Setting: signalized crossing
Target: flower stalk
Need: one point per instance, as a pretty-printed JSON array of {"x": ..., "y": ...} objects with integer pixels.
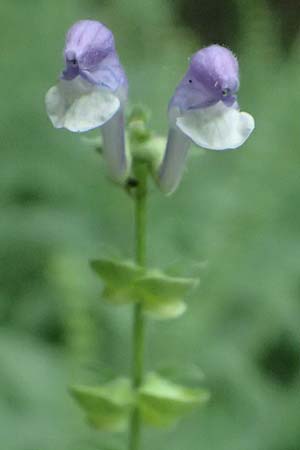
[{"x": 140, "y": 171}]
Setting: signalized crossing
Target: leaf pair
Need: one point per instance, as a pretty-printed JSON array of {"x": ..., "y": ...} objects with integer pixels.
[
  {"x": 162, "y": 296},
  {"x": 161, "y": 402}
]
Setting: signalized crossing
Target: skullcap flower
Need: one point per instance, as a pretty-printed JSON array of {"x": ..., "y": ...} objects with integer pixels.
[
  {"x": 92, "y": 91},
  {"x": 204, "y": 110}
]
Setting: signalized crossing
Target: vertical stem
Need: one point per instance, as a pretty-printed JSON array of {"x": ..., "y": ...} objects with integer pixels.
[
  {"x": 140, "y": 214},
  {"x": 139, "y": 320}
]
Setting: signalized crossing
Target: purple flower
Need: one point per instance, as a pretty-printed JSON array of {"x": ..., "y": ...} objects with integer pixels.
[
  {"x": 204, "y": 110},
  {"x": 92, "y": 91}
]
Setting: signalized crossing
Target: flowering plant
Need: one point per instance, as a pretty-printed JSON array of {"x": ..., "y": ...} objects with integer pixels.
[{"x": 92, "y": 93}]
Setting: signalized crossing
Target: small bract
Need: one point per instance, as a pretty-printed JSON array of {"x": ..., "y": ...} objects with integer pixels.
[
  {"x": 92, "y": 91},
  {"x": 204, "y": 110}
]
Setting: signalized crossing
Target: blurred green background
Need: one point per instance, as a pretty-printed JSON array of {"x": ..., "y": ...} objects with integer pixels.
[{"x": 235, "y": 221}]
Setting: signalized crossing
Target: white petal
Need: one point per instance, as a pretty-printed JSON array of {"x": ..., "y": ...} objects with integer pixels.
[
  {"x": 173, "y": 164},
  {"x": 217, "y": 127},
  {"x": 114, "y": 153},
  {"x": 79, "y": 106}
]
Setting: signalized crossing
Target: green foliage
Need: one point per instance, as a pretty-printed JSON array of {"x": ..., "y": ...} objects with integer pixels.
[
  {"x": 162, "y": 296},
  {"x": 162, "y": 402},
  {"x": 118, "y": 277},
  {"x": 106, "y": 406}
]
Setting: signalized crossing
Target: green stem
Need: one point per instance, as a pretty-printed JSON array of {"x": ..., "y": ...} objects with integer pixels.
[{"x": 139, "y": 320}]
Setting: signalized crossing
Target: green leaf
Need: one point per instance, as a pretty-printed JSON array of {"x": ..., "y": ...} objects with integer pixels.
[
  {"x": 107, "y": 407},
  {"x": 118, "y": 277},
  {"x": 163, "y": 403},
  {"x": 124, "y": 282},
  {"x": 117, "y": 273},
  {"x": 163, "y": 295}
]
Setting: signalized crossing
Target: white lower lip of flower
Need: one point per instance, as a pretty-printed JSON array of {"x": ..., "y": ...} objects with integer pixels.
[
  {"x": 217, "y": 127},
  {"x": 79, "y": 106}
]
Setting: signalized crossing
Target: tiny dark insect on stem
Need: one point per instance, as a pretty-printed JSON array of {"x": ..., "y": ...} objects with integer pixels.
[{"x": 132, "y": 183}]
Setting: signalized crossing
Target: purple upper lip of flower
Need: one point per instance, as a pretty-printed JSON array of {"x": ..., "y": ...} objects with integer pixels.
[
  {"x": 90, "y": 52},
  {"x": 212, "y": 76}
]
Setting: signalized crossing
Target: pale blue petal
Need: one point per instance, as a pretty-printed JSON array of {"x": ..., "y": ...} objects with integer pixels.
[
  {"x": 114, "y": 152},
  {"x": 173, "y": 164}
]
